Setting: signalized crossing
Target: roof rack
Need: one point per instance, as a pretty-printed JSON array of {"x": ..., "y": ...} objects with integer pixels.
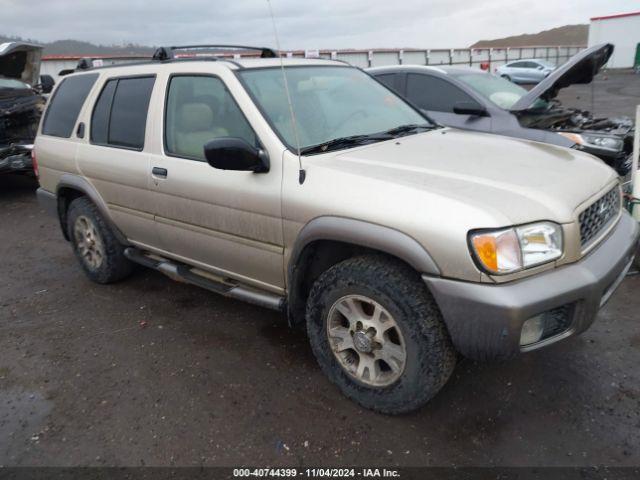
[{"x": 168, "y": 53}]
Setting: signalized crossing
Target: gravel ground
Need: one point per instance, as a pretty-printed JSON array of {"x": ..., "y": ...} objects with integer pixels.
[{"x": 153, "y": 372}]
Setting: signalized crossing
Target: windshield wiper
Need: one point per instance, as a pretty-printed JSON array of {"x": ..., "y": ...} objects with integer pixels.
[
  {"x": 409, "y": 128},
  {"x": 345, "y": 142},
  {"x": 356, "y": 140}
]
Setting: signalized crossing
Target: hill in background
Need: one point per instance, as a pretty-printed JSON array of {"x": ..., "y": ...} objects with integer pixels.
[
  {"x": 567, "y": 35},
  {"x": 75, "y": 47}
]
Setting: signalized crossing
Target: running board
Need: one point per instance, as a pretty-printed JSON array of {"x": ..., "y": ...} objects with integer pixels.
[{"x": 181, "y": 272}]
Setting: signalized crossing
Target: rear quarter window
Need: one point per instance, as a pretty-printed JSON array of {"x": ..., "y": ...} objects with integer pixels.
[
  {"x": 389, "y": 80},
  {"x": 435, "y": 94},
  {"x": 65, "y": 105}
]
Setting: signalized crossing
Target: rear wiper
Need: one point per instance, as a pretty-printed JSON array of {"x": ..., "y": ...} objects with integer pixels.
[
  {"x": 409, "y": 128},
  {"x": 345, "y": 142}
]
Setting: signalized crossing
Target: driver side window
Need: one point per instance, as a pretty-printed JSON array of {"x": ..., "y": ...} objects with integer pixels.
[
  {"x": 435, "y": 94},
  {"x": 199, "y": 109}
]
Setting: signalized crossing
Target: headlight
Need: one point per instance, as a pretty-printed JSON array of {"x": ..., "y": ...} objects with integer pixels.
[
  {"x": 597, "y": 141},
  {"x": 512, "y": 249}
]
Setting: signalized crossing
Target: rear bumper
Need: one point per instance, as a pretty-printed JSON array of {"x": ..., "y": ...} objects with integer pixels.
[
  {"x": 47, "y": 201},
  {"x": 485, "y": 320}
]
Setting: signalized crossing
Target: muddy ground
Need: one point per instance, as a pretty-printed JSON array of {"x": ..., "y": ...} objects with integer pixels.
[{"x": 152, "y": 372}]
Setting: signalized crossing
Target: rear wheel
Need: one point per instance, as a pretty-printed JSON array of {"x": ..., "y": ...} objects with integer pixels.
[
  {"x": 96, "y": 247},
  {"x": 378, "y": 334}
]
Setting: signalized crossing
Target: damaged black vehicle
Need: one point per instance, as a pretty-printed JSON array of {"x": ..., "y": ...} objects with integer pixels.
[
  {"x": 21, "y": 104},
  {"x": 471, "y": 99}
]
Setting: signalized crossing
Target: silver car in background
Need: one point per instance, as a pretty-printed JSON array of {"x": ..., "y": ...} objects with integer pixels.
[{"x": 526, "y": 71}]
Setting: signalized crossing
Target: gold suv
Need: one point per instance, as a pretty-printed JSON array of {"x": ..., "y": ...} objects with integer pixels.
[{"x": 396, "y": 242}]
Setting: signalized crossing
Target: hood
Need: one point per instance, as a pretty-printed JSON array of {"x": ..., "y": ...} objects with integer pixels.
[
  {"x": 513, "y": 180},
  {"x": 581, "y": 68},
  {"x": 21, "y": 61}
]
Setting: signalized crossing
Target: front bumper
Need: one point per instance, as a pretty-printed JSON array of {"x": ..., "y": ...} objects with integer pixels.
[
  {"x": 15, "y": 159},
  {"x": 485, "y": 320}
]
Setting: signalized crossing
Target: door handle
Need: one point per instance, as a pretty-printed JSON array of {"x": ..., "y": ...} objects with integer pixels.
[{"x": 159, "y": 172}]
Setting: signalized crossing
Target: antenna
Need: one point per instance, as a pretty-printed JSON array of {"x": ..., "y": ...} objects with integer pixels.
[{"x": 302, "y": 173}]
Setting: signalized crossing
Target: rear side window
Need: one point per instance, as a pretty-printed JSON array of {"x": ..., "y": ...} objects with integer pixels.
[
  {"x": 120, "y": 115},
  {"x": 65, "y": 105},
  {"x": 100, "y": 117},
  {"x": 431, "y": 93}
]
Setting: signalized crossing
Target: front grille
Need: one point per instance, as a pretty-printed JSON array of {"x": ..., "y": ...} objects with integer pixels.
[{"x": 598, "y": 215}]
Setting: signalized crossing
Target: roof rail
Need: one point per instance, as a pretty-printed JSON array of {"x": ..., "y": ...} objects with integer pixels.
[{"x": 167, "y": 53}]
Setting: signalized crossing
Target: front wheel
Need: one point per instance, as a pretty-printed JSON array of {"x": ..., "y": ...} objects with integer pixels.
[
  {"x": 378, "y": 334},
  {"x": 506, "y": 77}
]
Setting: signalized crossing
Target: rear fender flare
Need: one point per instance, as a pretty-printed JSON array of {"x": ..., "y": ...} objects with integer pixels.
[{"x": 82, "y": 185}]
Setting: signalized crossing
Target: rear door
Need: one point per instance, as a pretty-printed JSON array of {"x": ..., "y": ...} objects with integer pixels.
[
  {"x": 113, "y": 155},
  {"x": 517, "y": 72},
  {"x": 531, "y": 74},
  {"x": 437, "y": 97}
]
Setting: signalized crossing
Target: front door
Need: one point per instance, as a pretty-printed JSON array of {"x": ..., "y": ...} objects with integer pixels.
[{"x": 227, "y": 222}]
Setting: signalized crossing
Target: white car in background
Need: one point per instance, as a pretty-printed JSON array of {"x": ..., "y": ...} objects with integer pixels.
[{"x": 526, "y": 71}]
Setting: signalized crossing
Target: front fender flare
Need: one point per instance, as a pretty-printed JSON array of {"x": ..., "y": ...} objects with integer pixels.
[{"x": 364, "y": 234}]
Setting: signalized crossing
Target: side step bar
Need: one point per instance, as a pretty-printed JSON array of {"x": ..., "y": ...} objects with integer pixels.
[{"x": 182, "y": 272}]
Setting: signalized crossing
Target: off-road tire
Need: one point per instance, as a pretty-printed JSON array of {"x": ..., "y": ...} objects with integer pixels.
[
  {"x": 115, "y": 266},
  {"x": 430, "y": 356}
]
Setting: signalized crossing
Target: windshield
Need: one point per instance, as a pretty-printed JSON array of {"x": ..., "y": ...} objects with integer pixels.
[
  {"x": 500, "y": 91},
  {"x": 11, "y": 83},
  {"x": 329, "y": 103}
]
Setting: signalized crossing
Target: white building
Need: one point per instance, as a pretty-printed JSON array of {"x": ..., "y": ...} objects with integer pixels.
[{"x": 623, "y": 31}]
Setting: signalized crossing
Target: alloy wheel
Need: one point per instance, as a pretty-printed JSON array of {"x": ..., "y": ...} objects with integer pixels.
[
  {"x": 366, "y": 340},
  {"x": 88, "y": 242}
]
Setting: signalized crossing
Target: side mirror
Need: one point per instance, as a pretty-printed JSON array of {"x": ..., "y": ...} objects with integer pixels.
[
  {"x": 469, "y": 108},
  {"x": 231, "y": 153},
  {"x": 47, "y": 83}
]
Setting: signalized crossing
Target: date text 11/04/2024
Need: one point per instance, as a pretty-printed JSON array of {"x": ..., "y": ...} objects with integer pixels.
[{"x": 316, "y": 472}]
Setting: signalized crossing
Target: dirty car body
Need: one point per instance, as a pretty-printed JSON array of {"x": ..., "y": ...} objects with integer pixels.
[
  {"x": 397, "y": 243},
  {"x": 21, "y": 105},
  {"x": 470, "y": 99}
]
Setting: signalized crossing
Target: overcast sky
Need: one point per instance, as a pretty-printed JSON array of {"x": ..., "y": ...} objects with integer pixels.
[{"x": 301, "y": 24}]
